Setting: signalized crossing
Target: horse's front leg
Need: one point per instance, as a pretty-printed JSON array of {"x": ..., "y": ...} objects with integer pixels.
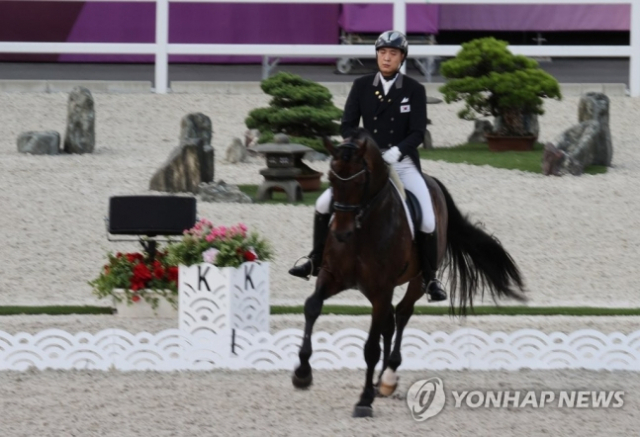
[
  {"x": 379, "y": 317},
  {"x": 387, "y": 336},
  {"x": 404, "y": 310},
  {"x": 302, "y": 377}
]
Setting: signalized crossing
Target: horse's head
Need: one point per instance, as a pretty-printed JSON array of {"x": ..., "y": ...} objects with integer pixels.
[{"x": 355, "y": 175}]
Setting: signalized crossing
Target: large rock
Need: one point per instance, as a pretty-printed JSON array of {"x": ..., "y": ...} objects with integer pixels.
[
  {"x": 236, "y": 152},
  {"x": 480, "y": 129},
  {"x": 587, "y": 143},
  {"x": 196, "y": 128},
  {"x": 182, "y": 170},
  {"x": 222, "y": 192},
  {"x": 80, "y": 136},
  {"x": 39, "y": 143},
  {"x": 191, "y": 163}
]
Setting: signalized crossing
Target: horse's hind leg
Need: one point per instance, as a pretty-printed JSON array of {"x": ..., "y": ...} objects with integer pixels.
[
  {"x": 302, "y": 377},
  {"x": 404, "y": 310},
  {"x": 379, "y": 317}
]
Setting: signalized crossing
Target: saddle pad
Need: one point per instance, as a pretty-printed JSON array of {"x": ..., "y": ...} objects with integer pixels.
[
  {"x": 393, "y": 175},
  {"x": 402, "y": 195}
]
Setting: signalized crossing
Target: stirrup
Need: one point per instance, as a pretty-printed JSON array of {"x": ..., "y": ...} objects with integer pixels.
[{"x": 295, "y": 264}]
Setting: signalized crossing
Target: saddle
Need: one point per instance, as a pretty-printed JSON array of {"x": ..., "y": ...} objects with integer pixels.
[{"x": 412, "y": 205}]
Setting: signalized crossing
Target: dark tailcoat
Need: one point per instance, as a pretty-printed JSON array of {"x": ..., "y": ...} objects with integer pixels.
[{"x": 397, "y": 119}]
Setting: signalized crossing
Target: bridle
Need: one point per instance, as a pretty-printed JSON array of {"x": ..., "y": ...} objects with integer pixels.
[{"x": 361, "y": 208}]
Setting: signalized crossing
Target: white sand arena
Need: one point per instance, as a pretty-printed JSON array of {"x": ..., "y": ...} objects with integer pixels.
[{"x": 574, "y": 238}]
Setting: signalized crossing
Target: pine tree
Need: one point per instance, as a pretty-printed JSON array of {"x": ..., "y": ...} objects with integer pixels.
[{"x": 300, "y": 108}]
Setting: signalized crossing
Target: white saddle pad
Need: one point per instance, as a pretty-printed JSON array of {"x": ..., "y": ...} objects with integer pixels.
[{"x": 397, "y": 184}]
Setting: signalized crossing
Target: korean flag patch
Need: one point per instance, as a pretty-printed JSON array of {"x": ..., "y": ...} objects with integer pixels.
[{"x": 405, "y": 108}]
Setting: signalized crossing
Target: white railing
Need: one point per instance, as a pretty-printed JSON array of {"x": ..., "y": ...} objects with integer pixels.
[{"x": 162, "y": 49}]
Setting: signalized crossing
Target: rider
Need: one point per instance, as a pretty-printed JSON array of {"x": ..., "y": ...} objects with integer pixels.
[{"x": 393, "y": 108}]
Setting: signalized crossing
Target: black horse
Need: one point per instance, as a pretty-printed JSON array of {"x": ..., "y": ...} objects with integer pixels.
[{"x": 370, "y": 247}]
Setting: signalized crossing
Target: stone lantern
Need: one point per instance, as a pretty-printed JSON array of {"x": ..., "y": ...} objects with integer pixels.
[{"x": 284, "y": 171}]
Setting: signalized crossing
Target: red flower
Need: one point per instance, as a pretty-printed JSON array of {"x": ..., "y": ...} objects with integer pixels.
[
  {"x": 158, "y": 270},
  {"x": 141, "y": 271},
  {"x": 135, "y": 298},
  {"x": 172, "y": 274},
  {"x": 250, "y": 256},
  {"x": 133, "y": 257},
  {"x": 141, "y": 276}
]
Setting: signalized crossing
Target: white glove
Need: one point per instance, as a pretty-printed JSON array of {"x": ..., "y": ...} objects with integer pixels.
[{"x": 392, "y": 155}]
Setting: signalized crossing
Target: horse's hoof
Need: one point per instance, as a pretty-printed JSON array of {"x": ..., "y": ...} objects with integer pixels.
[
  {"x": 362, "y": 411},
  {"x": 385, "y": 390},
  {"x": 304, "y": 382},
  {"x": 388, "y": 383}
]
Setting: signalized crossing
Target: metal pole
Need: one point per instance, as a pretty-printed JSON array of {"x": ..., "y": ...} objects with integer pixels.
[
  {"x": 400, "y": 22},
  {"x": 162, "y": 40},
  {"x": 634, "y": 60}
]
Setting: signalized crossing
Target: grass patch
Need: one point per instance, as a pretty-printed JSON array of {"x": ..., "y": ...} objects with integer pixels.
[
  {"x": 477, "y": 311},
  {"x": 479, "y": 154},
  {"x": 309, "y": 197},
  {"x": 53, "y": 310}
]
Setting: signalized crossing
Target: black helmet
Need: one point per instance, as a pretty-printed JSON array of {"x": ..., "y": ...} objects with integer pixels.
[{"x": 394, "y": 40}]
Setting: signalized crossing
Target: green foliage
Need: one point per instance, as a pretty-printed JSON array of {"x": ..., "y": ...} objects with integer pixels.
[
  {"x": 300, "y": 108},
  {"x": 222, "y": 246},
  {"x": 139, "y": 278},
  {"x": 494, "y": 82}
]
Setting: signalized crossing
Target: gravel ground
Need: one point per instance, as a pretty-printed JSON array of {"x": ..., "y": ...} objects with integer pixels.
[{"x": 251, "y": 403}]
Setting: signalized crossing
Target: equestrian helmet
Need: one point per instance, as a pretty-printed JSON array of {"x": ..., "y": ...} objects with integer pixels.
[{"x": 394, "y": 40}]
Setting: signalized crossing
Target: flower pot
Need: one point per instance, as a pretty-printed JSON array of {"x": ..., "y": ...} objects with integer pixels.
[
  {"x": 498, "y": 143},
  {"x": 143, "y": 309},
  {"x": 213, "y": 299}
]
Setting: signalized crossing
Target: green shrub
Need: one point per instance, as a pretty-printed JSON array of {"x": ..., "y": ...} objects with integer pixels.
[
  {"x": 300, "y": 108},
  {"x": 494, "y": 82}
]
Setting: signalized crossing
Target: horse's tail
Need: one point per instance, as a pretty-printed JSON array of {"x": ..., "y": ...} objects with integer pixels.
[{"x": 477, "y": 260}]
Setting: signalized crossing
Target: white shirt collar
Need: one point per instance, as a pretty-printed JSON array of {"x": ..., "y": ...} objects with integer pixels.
[{"x": 386, "y": 84}]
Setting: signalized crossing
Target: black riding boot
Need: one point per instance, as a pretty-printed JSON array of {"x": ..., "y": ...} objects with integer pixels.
[
  {"x": 428, "y": 252},
  {"x": 312, "y": 266}
]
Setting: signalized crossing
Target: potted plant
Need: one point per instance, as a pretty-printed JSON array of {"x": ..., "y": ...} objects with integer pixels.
[
  {"x": 222, "y": 246},
  {"x": 494, "y": 82},
  {"x": 139, "y": 286}
]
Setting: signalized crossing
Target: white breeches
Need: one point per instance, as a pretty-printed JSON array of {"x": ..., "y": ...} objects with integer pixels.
[{"x": 413, "y": 181}]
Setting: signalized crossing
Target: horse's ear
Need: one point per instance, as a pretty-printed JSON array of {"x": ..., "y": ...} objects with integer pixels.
[{"x": 328, "y": 144}]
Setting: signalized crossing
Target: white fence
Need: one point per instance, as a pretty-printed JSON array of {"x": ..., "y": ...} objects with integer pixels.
[
  {"x": 175, "y": 349},
  {"x": 162, "y": 49}
]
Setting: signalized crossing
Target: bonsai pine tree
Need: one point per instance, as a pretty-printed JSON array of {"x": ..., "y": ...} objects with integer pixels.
[
  {"x": 300, "y": 108},
  {"x": 494, "y": 82}
]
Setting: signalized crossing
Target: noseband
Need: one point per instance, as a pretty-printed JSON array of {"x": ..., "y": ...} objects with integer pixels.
[{"x": 361, "y": 208}]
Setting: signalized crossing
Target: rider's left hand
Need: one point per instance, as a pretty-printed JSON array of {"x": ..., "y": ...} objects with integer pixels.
[{"x": 392, "y": 155}]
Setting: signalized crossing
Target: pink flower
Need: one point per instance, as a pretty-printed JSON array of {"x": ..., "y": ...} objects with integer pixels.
[{"x": 210, "y": 255}]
